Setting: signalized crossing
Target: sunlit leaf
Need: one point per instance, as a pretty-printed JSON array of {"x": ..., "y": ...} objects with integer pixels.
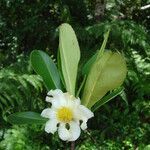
[
  {"x": 106, "y": 74},
  {"x": 26, "y": 118},
  {"x": 46, "y": 68},
  {"x": 70, "y": 56}
]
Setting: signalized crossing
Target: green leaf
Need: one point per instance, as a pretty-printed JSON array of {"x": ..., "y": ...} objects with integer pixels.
[
  {"x": 88, "y": 65},
  {"x": 46, "y": 68},
  {"x": 147, "y": 147},
  {"x": 124, "y": 97},
  {"x": 107, "y": 73},
  {"x": 107, "y": 98},
  {"x": 102, "y": 49},
  {"x": 70, "y": 56},
  {"x": 81, "y": 86},
  {"x": 26, "y": 118},
  {"x": 59, "y": 68}
]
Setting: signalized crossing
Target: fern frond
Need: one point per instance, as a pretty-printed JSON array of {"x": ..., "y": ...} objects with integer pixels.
[{"x": 18, "y": 90}]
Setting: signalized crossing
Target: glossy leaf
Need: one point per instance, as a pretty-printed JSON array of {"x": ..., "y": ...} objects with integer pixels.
[
  {"x": 26, "y": 118},
  {"x": 107, "y": 98},
  {"x": 70, "y": 56},
  {"x": 106, "y": 74},
  {"x": 46, "y": 68}
]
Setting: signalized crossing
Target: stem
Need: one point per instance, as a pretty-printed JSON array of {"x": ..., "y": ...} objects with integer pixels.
[
  {"x": 89, "y": 134},
  {"x": 72, "y": 145}
]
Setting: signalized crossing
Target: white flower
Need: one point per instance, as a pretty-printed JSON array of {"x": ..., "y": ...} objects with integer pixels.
[{"x": 66, "y": 114}]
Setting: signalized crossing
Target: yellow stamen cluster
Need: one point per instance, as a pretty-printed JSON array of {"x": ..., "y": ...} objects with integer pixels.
[{"x": 64, "y": 114}]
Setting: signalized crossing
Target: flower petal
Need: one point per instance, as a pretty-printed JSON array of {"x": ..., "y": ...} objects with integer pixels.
[
  {"x": 64, "y": 134},
  {"x": 71, "y": 101},
  {"x": 48, "y": 113},
  {"x": 48, "y": 99},
  {"x": 79, "y": 112},
  {"x": 86, "y": 112},
  {"x": 77, "y": 101},
  {"x": 74, "y": 130},
  {"x": 55, "y": 92},
  {"x": 51, "y": 126},
  {"x": 57, "y": 98},
  {"x": 84, "y": 124},
  {"x": 83, "y": 113}
]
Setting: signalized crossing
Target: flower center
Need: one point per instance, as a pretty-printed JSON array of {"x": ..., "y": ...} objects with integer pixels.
[{"x": 64, "y": 114}]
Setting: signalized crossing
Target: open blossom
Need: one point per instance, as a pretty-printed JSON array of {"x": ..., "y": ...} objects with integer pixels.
[{"x": 66, "y": 115}]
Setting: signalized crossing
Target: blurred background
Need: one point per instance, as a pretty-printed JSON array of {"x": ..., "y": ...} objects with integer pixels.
[{"x": 26, "y": 25}]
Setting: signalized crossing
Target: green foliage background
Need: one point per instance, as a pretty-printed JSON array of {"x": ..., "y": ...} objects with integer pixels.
[{"x": 27, "y": 25}]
